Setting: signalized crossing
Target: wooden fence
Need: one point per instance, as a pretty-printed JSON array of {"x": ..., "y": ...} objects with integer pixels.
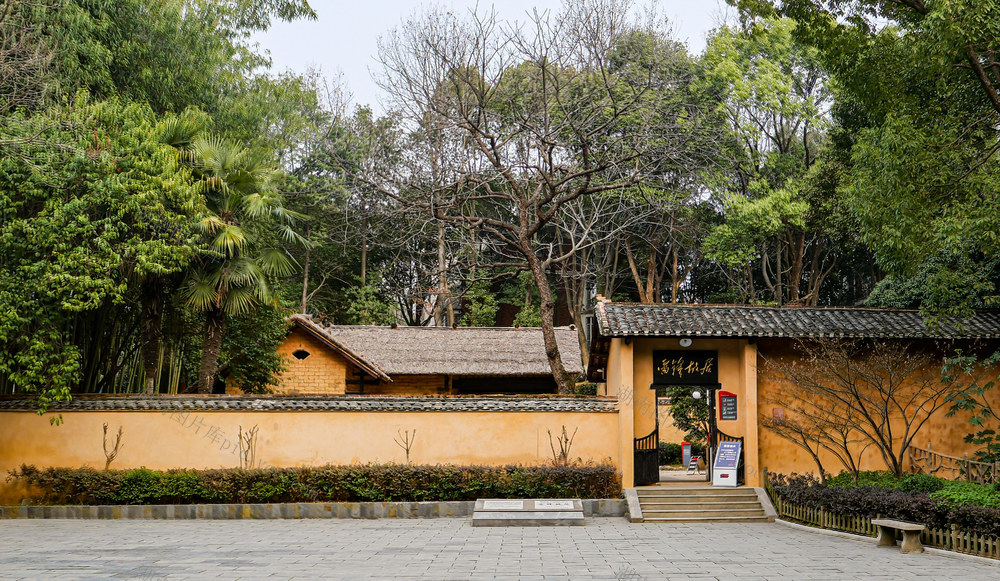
[
  {"x": 926, "y": 461},
  {"x": 953, "y": 539}
]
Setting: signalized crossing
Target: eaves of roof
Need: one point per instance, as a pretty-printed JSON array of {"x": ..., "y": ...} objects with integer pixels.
[{"x": 733, "y": 321}]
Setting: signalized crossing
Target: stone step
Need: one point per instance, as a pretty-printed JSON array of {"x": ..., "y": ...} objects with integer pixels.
[
  {"x": 709, "y": 513},
  {"x": 736, "y": 505},
  {"x": 695, "y": 490},
  {"x": 698, "y": 497},
  {"x": 707, "y": 519},
  {"x": 704, "y": 489}
]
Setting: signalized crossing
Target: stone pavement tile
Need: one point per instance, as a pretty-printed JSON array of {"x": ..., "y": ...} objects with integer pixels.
[{"x": 450, "y": 549}]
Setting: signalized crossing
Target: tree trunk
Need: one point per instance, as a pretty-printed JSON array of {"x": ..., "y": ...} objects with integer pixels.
[
  {"x": 152, "y": 315},
  {"x": 779, "y": 293},
  {"x": 644, "y": 298},
  {"x": 675, "y": 279},
  {"x": 364, "y": 251},
  {"x": 215, "y": 327},
  {"x": 548, "y": 311},
  {"x": 305, "y": 281},
  {"x": 796, "y": 244},
  {"x": 444, "y": 311},
  {"x": 573, "y": 290}
]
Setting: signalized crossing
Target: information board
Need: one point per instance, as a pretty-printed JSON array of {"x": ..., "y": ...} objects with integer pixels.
[
  {"x": 727, "y": 405},
  {"x": 728, "y": 455}
]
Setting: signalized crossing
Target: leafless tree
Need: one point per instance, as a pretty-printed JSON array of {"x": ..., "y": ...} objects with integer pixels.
[
  {"x": 846, "y": 395},
  {"x": 560, "y": 457},
  {"x": 116, "y": 446},
  {"x": 24, "y": 56},
  {"x": 539, "y": 116},
  {"x": 584, "y": 230},
  {"x": 405, "y": 441},
  {"x": 248, "y": 446},
  {"x": 815, "y": 429}
]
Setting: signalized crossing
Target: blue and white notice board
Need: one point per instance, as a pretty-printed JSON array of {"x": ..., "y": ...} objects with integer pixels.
[{"x": 727, "y": 462}]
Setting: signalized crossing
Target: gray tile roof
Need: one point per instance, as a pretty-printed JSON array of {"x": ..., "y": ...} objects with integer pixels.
[
  {"x": 478, "y": 351},
  {"x": 627, "y": 319},
  {"x": 187, "y": 403}
]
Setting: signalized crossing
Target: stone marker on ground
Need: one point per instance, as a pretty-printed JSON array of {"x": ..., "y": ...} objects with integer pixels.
[{"x": 527, "y": 513}]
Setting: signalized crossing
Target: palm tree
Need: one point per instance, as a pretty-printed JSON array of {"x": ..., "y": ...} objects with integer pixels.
[{"x": 245, "y": 225}]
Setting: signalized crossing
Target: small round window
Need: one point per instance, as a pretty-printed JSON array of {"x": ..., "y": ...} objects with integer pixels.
[{"x": 300, "y": 354}]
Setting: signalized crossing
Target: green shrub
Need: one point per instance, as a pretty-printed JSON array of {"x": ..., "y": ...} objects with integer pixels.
[
  {"x": 967, "y": 494},
  {"x": 670, "y": 454},
  {"x": 866, "y": 479},
  {"x": 869, "y": 501},
  {"x": 369, "y": 482},
  {"x": 921, "y": 483}
]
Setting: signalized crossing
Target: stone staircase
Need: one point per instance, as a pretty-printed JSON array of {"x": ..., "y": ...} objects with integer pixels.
[{"x": 698, "y": 504}]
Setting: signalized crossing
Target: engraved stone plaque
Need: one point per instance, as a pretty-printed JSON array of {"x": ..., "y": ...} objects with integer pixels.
[
  {"x": 554, "y": 504},
  {"x": 503, "y": 505}
]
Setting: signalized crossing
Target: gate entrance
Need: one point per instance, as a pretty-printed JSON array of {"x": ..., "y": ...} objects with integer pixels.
[{"x": 646, "y": 465}]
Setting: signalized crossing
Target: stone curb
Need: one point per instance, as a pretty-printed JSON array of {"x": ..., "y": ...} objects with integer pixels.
[
  {"x": 862, "y": 538},
  {"x": 351, "y": 510}
]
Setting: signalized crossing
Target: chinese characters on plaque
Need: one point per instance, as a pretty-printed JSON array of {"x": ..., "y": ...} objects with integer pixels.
[{"x": 685, "y": 367}]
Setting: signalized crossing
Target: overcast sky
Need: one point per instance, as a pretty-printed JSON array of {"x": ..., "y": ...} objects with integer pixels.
[{"x": 343, "y": 38}]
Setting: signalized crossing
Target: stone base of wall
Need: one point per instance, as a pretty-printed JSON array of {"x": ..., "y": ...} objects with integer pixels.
[{"x": 356, "y": 510}]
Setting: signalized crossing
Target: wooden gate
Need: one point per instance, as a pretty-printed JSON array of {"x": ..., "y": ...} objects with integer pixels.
[{"x": 647, "y": 458}]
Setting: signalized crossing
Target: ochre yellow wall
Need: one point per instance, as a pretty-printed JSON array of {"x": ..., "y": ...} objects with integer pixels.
[
  {"x": 619, "y": 384},
  {"x": 668, "y": 431},
  {"x": 208, "y": 439},
  {"x": 945, "y": 434},
  {"x": 742, "y": 370}
]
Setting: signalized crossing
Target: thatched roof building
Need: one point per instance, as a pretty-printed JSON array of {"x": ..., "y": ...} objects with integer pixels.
[{"x": 422, "y": 360}]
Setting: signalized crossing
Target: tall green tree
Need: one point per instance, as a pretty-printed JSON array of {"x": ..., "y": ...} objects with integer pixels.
[
  {"x": 102, "y": 204},
  {"x": 917, "y": 111},
  {"x": 246, "y": 226},
  {"x": 780, "y": 232}
]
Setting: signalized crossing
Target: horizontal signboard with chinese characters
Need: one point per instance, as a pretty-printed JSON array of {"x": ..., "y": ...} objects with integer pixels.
[{"x": 686, "y": 367}]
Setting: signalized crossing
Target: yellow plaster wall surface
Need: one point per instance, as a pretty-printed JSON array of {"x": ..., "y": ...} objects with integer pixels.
[
  {"x": 668, "y": 431},
  {"x": 944, "y": 434},
  {"x": 619, "y": 385},
  {"x": 208, "y": 439}
]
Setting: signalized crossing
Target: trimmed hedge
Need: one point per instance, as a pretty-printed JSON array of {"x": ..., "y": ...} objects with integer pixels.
[
  {"x": 889, "y": 502},
  {"x": 359, "y": 483}
]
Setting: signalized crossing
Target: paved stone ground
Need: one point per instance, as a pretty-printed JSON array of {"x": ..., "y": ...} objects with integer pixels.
[{"x": 449, "y": 548}]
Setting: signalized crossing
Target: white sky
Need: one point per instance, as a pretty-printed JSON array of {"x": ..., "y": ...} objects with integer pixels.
[{"x": 343, "y": 38}]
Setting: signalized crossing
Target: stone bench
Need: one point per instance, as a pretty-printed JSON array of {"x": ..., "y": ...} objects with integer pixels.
[{"x": 911, "y": 534}]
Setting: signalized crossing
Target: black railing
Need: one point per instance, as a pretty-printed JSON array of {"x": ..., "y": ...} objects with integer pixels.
[
  {"x": 741, "y": 471},
  {"x": 647, "y": 458}
]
